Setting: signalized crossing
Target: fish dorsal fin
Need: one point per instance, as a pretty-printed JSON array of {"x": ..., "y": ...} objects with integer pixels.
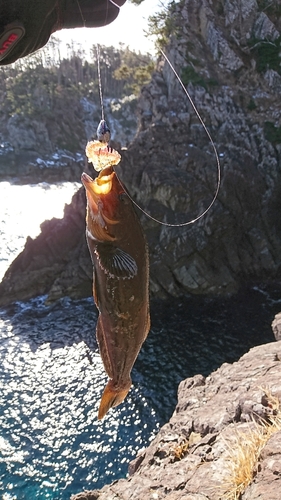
[{"x": 115, "y": 262}]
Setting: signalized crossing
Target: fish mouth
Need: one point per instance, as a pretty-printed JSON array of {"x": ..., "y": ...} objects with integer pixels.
[
  {"x": 95, "y": 187},
  {"x": 86, "y": 179}
]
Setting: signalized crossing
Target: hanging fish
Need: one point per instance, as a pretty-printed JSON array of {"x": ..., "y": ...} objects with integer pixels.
[{"x": 119, "y": 254}]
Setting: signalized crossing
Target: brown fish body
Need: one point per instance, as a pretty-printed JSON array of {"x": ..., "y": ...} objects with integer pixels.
[{"x": 120, "y": 281}]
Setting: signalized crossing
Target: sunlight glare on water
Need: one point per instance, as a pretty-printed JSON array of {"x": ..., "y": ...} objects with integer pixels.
[
  {"x": 51, "y": 442},
  {"x": 23, "y": 209}
]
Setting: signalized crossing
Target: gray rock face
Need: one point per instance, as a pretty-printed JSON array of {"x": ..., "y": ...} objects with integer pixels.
[
  {"x": 47, "y": 137},
  {"x": 192, "y": 455},
  {"x": 25, "y": 134},
  {"x": 170, "y": 167}
]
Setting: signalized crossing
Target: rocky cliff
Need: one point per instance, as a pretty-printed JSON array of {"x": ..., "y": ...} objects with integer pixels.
[
  {"x": 222, "y": 441},
  {"x": 228, "y": 54}
]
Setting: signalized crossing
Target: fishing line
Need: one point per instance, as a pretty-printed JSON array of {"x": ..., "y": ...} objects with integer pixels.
[
  {"x": 81, "y": 13},
  {"x": 98, "y": 59},
  {"x": 99, "y": 80},
  {"x": 115, "y": 4},
  {"x": 106, "y": 14},
  {"x": 98, "y": 55},
  {"x": 216, "y": 156}
]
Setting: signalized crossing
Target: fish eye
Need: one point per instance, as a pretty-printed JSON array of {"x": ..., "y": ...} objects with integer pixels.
[{"x": 123, "y": 197}]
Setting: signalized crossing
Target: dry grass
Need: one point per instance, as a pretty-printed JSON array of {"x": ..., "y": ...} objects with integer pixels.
[
  {"x": 182, "y": 448},
  {"x": 243, "y": 454}
]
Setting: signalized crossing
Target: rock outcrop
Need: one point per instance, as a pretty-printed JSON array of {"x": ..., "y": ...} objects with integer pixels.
[
  {"x": 27, "y": 135},
  {"x": 217, "y": 425},
  {"x": 228, "y": 55}
]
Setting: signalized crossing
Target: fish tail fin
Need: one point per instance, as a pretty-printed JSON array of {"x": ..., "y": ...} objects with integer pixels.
[{"x": 112, "y": 396}]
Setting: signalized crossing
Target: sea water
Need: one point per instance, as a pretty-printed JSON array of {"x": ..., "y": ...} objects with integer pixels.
[{"x": 52, "y": 377}]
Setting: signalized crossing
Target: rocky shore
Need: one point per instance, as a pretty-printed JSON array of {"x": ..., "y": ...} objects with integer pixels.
[{"x": 221, "y": 423}]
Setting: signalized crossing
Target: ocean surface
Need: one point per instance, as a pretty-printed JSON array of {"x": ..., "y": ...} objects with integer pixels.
[{"x": 51, "y": 374}]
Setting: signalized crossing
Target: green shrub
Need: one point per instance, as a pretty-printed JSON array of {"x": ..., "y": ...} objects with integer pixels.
[
  {"x": 267, "y": 54},
  {"x": 251, "y": 105},
  {"x": 189, "y": 75},
  {"x": 271, "y": 7},
  {"x": 272, "y": 133}
]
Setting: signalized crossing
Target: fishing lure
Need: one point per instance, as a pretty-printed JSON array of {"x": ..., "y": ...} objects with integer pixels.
[{"x": 103, "y": 132}]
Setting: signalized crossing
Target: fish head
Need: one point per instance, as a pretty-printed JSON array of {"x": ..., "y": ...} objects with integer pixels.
[
  {"x": 102, "y": 200},
  {"x": 97, "y": 189}
]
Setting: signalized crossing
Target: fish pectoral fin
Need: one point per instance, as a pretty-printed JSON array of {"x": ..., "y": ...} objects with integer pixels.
[{"x": 115, "y": 262}]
